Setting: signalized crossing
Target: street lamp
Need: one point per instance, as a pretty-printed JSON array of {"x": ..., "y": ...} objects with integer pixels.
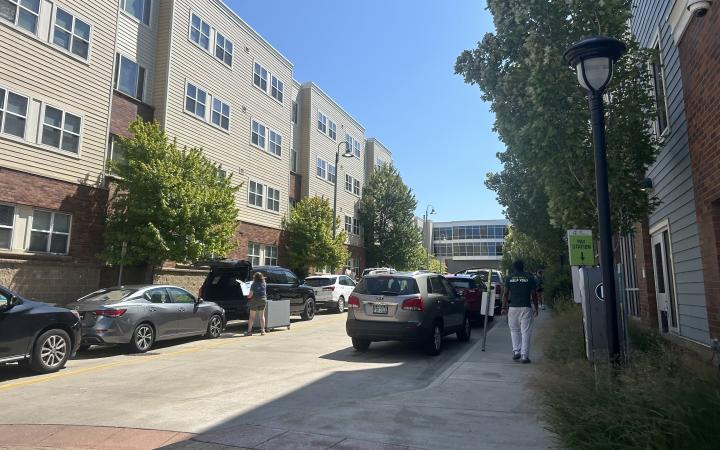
[
  {"x": 431, "y": 210},
  {"x": 593, "y": 59},
  {"x": 347, "y": 154}
]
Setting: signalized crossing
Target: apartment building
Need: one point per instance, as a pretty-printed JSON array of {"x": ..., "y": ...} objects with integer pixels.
[
  {"x": 466, "y": 244},
  {"x": 55, "y": 93},
  {"x": 376, "y": 155}
]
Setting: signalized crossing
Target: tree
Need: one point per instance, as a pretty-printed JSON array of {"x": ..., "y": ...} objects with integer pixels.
[
  {"x": 169, "y": 204},
  {"x": 387, "y": 213},
  {"x": 435, "y": 264},
  {"x": 309, "y": 238}
]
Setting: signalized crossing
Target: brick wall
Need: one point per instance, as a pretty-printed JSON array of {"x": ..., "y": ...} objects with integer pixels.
[
  {"x": 295, "y": 187},
  {"x": 124, "y": 112},
  {"x": 646, "y": 283},
  {"x": 248, "y": 232},
  {"x": 358, "y": 252},
  {"x": 700, "y": 64}
]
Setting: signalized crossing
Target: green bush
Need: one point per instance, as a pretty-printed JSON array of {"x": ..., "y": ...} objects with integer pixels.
[{"x": 665, "y": 399}]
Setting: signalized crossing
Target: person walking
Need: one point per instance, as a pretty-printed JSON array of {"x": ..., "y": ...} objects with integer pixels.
[
  {"x": 257, "y": 299},
  {"x": 520, "y": 303}
]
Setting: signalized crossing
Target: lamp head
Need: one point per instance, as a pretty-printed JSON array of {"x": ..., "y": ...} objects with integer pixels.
[
  {"x": 348, "y": 150},
  {"x": 593, "y": 59},
  {"x": 432, "y": 210}
]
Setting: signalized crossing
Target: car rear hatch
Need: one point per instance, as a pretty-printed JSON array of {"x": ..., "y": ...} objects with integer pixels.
[
  {"x": 101, "y": 303},
  {"x": 224, "y": 283},
  {"x": 386, "y": 298},
  {"x": 323, "y": 287}
]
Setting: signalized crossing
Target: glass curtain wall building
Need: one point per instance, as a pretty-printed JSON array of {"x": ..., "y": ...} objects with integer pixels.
[{"x": 466, "y": 244}]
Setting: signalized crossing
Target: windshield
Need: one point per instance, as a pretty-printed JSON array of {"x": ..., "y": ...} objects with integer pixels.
[
  {"x": 105, "y": 296},
  {"x": 387, "y": 286},
  {"x": 319, "y": 282},
  {"x": 483, "y": 276},
  {"x": 461, "y": 284}
]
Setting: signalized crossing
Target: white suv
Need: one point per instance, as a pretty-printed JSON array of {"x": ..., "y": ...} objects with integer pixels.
[{"x": 331, "y": 291}]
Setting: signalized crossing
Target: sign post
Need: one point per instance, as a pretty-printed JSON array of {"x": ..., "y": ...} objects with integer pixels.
[
  {"x": 123, "y": 252},
  {"x": 487, "y": 307}
]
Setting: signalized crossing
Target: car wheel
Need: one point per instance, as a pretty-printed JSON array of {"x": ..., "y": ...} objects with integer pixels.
[
  {"x": 433, "y": 345},
  {"x": 341, "y": 305},
  {"x": 143, "y": 338},
  {"x": 309, "y": 311},
  {"x": 361, "y": 345},
  {"x": 464, "y": 334},
  {"x": 215, "y": 327},
  {"x": 51, "y": 351}
]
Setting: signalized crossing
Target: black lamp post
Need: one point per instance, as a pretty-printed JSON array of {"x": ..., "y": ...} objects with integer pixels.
[
  {"x": 593, "y": 60},
  {"x": 347, "y": 154},
  {"x": 429, "y": 210}
]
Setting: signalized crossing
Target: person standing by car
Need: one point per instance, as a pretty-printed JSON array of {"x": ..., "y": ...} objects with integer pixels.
[
  {"x": 520, "y": 291},
  {"x": 257, "y": 298}
]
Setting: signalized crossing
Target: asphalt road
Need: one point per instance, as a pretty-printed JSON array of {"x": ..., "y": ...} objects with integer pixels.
[{"x": 307, "y": 378}]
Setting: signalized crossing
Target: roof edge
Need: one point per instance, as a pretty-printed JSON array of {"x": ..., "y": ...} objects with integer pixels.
[
  {"x": 312, "y": 85},
  {"x": 376, "y": 140}
]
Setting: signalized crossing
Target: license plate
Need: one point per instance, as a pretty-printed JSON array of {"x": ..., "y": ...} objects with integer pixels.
[{"x": 380, "y": 309}]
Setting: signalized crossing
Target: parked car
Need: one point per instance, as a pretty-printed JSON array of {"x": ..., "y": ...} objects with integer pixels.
[
  {"x": 37, "y": 334},
  {"x": 140, "y": 315},
  {"x": 471, "y": 287},
  {"x": 497, "y": 282},
  {"x": 411, "y": 306},
  {"x": 224, "y": 286},
  {"x": 376, "y": 270},
  {"x": 331, "y": 291}
]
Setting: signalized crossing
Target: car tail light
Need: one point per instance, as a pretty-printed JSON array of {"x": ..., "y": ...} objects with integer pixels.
[
  {"x": 497, "y": 290},
  {"x": 201, "y": 291},
  {"x": 110, "y": 312},
  {"x": 329, "y": 288},
  {"x": 353, "y": 302},
  {"x": 413, "y": 304}
]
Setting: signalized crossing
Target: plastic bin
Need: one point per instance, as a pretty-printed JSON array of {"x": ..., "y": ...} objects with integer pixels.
[{"x": 277, "y": 314}]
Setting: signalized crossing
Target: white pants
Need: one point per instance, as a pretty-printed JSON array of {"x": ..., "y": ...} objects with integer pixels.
[{"x": 520, "y": 321}]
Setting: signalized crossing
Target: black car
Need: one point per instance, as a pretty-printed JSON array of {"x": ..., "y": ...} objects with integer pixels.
[
  {"x": 223, "y": 286},
  {"x": 35, "y": 333}
]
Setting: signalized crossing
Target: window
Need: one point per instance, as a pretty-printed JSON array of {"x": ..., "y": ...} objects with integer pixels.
[
  {"x": 277, "y": 89},
  {"x": 273, "y": 199},
  {"x": 322, "y": 122},
  {"x": 116, "y": 154},
  {"x": 71, "y": 33},
  {"x": 348, "y": 183},
  {"x": 356, "y": 187},
  {"x": 332, "y": 130},
  {"x": 254, "y": 253},
  {"x": 260, "y": 76},
  {"x": 195, "y": 100},
  {"x": 294, "y": 161},
  {"x": 353, "y": 145},
  {"x": 23, "y": 13},
  {"x": 157, "y": 296},
  {"x": 140, "y": 9},
  {"x": 258, "y": 133},
  {"x": 61, "y": 130},
  {"x": 294, "y": 112},
  {"x": 348, "y": 224},
  {"x": 332, "y": 173},
  {"x": 223, "y": 49},
  {"x": 354, "y": 265},
  {"x": 129, "y": 77},
  {"x": 379, "y": 162},
  {"x": 255, "y": 194},
  {"x": 656, "y": 67},
  {"x": 321, "y": 168},
  {"x": 356, "y": 227},
  {"x": 50, "y": 232},
  {"x": 7, "y": 220},
  {"x": 275, "y": 146},
  {"x": 220, "y": 114},
  {"x": 271, "y": 255},
  {"x": 200, "y": 32},
  {"x": 180, "y": 295},
  {"x": 13, "y": 113}
]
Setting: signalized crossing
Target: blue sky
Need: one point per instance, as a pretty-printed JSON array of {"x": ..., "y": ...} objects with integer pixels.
[{"x": 390, "y": 64}]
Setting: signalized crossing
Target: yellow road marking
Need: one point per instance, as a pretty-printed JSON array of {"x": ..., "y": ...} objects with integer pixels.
[{"x": 70, "y": 373}]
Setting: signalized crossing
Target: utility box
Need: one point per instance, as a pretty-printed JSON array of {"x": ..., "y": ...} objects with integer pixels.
[{"x": 594, "y": 319}]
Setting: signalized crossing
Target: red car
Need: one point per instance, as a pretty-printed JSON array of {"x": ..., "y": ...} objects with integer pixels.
[{"x": 470, "y": 287}]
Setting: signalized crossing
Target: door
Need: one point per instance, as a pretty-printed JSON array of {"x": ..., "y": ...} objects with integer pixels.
[
  {"x": 347, "y": 286},
  {"x": 161, "y": 312},
  {"x": 291, "y": 290},
  {"x": 457, "y": 303},
  {"x": 15, "y": 328},
  {"x": 441, "y": 296},
  {"x": 664, "y": 282},
  {"x": 188, "y": 310},
  {"x": 275, "y": 282}
]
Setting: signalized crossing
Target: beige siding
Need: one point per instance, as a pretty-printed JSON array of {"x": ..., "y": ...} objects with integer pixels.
[
  {"x": 374, "y": 149},
  {"x": 165, "y": 12},
  {"x": 137, "y": 41},
  {"x": 233, "y": 150},
  {"x": 36, "y": 68}
]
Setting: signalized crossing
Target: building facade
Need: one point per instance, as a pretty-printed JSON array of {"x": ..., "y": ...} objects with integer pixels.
[{"x": 467, "y": 244}]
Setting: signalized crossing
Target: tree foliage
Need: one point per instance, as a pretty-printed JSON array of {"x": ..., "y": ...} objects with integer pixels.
[
  {"x": 309, "y": 237},
  {"x": 387, "y": 213},
  {"x": 435, "y": 264},
  {"x": 170, "y": 203}
]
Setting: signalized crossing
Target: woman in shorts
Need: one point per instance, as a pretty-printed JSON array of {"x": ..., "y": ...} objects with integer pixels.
[{"x": 257, "y": 298}]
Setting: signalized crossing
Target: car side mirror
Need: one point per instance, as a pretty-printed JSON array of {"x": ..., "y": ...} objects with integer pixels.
[{"x": 199, "y": 300}]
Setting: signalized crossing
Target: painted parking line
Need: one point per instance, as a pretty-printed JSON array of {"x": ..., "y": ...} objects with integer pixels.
[{"x": 67, "y": 373}]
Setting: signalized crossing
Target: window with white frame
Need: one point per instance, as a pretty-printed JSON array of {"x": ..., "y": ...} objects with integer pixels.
[
  {"x": 260, "y": 77},
  {"x": 273, "y": 199},
  {"x": 271, "y": 255},
  {"x": 294, "y": 161},
  {"x": 658, "y": 78},
  {"x": 322, "y": 122},
  {"x": 355, "y": 227},
  {"x": 50, "y": 232},
  {"x": 71, "y": 33},
  {"x": 294, "y": 112},
  {"x": 277, "y": 89},
  {"x": 332, "y": 130},
  {"x": 223, "y": 48},
  {"x": 258, "y": 134},
  {"x": 354, "y": 265},
  {"x": 220, "y": 114},
  {"x": 22, "y": 13},
  {"x": 13, "y": 113},
  {"x": 200, "y": 32},
  {"x": 254, "y": 253},
  {"x": 256, "y": 191},
  {"x": 129, "y": 77},
  {"x": 356, "y": 186},
  {"x": 332, "y": 173},
  {"x": 7, "y": 221},
  {"x": 353, "y": 145},
  {"x": 195, "y": 100},
  {"x": 348, "y": 224},
  {"x": 348, "y": 183},
  {"x": 61, "y": 130},
  {"x": 140, "y": 9},
  {"x": 321, "y": 168},
  {"x": 379, "y": 162},
  {"x": 275, "y": 146}
]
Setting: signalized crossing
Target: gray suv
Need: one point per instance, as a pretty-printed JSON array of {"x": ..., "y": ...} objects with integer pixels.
[{"x": 411, "y": 306}]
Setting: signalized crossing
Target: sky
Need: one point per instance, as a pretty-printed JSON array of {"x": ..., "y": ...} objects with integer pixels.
[{"x": 390, "y": 64}]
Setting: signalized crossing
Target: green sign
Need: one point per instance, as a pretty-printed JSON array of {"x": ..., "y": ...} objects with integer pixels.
[{"x": 581, "y": 248}]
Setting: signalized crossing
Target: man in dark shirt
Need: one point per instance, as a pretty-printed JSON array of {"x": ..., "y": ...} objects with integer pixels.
[{"x": 520, "y": 292}]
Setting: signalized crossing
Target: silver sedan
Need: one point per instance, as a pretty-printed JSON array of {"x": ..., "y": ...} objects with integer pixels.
[{"x": 140, "y": 315}]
